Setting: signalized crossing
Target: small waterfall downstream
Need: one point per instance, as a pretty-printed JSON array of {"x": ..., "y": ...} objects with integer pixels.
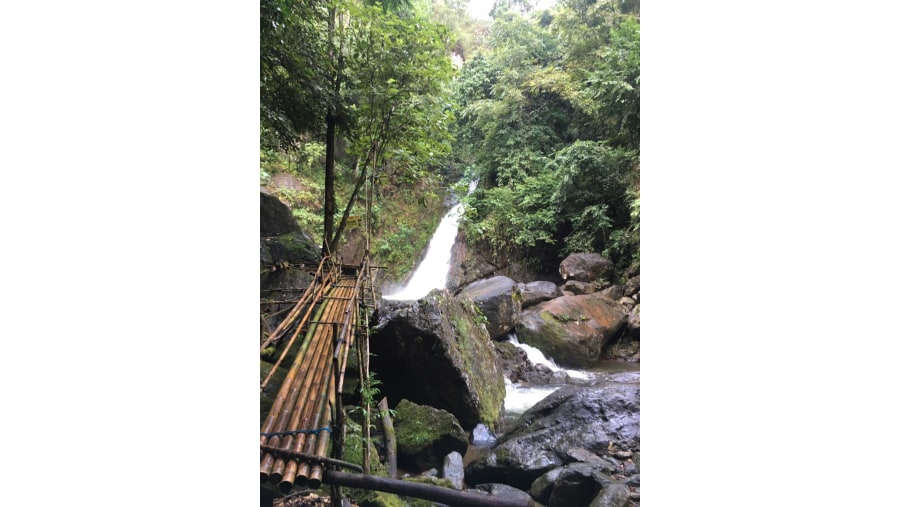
[
  {"x": 432, "y": 272},
  {"x": 520, "y": 398}
]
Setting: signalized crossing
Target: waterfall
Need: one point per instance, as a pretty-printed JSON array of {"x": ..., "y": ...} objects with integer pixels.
[{"x": 432, "y": 272}]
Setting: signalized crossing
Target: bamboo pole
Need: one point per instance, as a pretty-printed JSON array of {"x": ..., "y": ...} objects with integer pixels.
[
  {"x": 290, "y": 344},
  {"x": 315, "y": 475},
  {"x": 293, "y": 411},
  {"x": 299, "y": 475},
  {"x": 285, "y": 400},
  {"x": 305, "y": 406},
  {"x": 362, "y": 384},
  {"x": 284, "y": 324},
  {"x": 292, "y": 385},
  {"x": 311, "y": 457},
  {"x": 323, "y": 335},
  {"x": 285, "y": 471}
]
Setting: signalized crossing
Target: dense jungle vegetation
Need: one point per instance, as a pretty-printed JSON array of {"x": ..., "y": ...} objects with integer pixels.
[{"x": 377, "y": 108}]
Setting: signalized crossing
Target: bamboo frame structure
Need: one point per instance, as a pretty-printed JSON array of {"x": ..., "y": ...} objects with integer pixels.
[{"x": 296, "y": 433}]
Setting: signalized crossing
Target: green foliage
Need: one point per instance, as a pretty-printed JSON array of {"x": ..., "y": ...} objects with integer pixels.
[
  {"x": 520, "y": 216},
  {"x": 624, "y": 245},
  {"x": 591, "y": 193}
]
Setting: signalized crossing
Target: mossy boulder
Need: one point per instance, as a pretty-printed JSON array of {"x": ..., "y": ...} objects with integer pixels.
[
  {"x": 425, "y": 435},
  {"x": 572, "y": 330},
  {"x": 275, "y": 217},
  {"x": 434, "y": 352},
  {"x": 293, "y": 248}
]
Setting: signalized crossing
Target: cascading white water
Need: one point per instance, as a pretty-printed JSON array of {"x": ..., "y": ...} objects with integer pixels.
[
  {"x": 538, "y": 357},
  {"x": 520, "y": 398},
  {"x": 432, "y": 272}
]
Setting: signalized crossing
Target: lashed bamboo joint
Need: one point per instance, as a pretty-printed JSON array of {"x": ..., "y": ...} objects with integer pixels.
[{"x": 295, "y": 435}]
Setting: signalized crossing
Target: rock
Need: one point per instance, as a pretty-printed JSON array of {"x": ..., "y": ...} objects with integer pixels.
[
  {"x": 586, "y": 267},
  {"x": 425, "y": 435},
  {"x": 499, "y": 301},
  {"x": 275, "y": 218},
  {"x": 576, "y": 288},
  {"x": 613, "y": 495},
  {"x": 454, "y": 471},
  {"x": 536, "y": 292},
  {"x": 626, "y": 303},
  {"x": 573, "y": 330},
  {"x": 437, "y": 337},
  {"x": 575, "y": 485},
  {"x": 542, "y": 486},
  {"x": 613, "y": 292},
  {"x": 503, "y": 491},
  {"x": 634, "y": 323},
  {"x": 572, "y": 417},
  {"x": 482, "y": 435},
  {"x": 583, "y": 455},
  {"x": 466, "y": 265},
  {"x": 633, "y": 285}
]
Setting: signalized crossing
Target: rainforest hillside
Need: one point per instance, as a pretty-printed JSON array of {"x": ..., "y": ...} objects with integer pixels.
[{"x": 370, "y": 112}]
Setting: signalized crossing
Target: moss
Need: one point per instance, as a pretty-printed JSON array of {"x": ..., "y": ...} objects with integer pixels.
[
  {"x": 300, "y": 248},
  {"x": 418, "y": 427},
  {"x": 381, "y": 499},
  {"x": 467, "y": 320}
]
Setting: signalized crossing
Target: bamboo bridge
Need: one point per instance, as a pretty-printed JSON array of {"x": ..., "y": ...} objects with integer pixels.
[
  {"x": 306, "y": 413},
  {"x": 306, "y": 417}
]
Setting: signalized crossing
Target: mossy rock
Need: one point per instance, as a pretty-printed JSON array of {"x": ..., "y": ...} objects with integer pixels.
[
  {"x": 425, "y": 435},
  {"x": 381, "y": 499}
]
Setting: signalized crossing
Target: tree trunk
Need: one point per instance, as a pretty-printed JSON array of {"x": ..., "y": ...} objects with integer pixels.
[
  {"x": 340, "y": 230},
  {"x": 328, "y": 233}
]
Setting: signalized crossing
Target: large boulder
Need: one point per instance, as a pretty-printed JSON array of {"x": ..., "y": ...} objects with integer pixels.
[
  {"x": 466, "y": 266},
  {"x": 573, "y": 330},
  {"x": 586, "y": 267},
  {"x": 499, "y": 301},
  {"x": 596, "y": 419},
  {"x": 537, "y": 292},
  {"x": 425, "y": 435},
  {"x": 294, "y": 248},
  {"x": 275, "y": 217},
  {"x": 434, "y": 352}
]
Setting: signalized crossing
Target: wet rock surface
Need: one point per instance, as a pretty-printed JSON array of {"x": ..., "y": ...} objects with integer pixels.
[
  {"x": 499, "y": 300},
  {"x": 600, "y": 420}
]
